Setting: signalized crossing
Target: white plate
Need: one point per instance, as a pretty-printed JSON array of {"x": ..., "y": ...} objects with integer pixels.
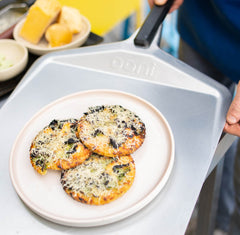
[
  {"x": 42, "y": 47},
  {"x": 44, "y": 194}
]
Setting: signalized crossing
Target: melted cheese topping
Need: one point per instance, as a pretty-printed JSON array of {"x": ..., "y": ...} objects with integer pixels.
[
  {"x": 96, "y": 177},
  {"x": 56, "y": 141},
  {"x": 113, "y": 121}
]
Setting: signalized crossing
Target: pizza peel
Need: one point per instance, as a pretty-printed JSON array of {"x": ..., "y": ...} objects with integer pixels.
[{"x": 193, "y": 104}]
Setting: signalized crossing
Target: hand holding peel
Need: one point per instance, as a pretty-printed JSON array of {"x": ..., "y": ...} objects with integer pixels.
[
  {"x": 232, "y": 125},
  {"x": 176, "y": 4}
]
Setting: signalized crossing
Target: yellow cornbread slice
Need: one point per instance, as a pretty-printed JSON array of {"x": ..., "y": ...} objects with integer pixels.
[
  {"x": 40, "y": 16},
  {"x": 58, "y": 35},
  {"x": 72, "y": 18}
]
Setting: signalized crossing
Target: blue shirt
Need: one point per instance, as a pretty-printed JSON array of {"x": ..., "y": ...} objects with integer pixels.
[{"x": 212, "y": 28}]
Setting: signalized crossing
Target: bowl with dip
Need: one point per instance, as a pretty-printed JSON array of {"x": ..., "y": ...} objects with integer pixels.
[{"x": 13, "y": 58}]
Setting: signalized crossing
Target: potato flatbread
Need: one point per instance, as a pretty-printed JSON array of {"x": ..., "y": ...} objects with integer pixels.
[
  {"x": 57, "y": 147},
  {"x": 99, "y": 179},
  {"x": 111, "y": 130}
]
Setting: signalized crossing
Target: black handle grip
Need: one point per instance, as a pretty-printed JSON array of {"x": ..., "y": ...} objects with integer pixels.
[
  {"x": 151, "y": 24},
  {"x": 30, "y": 2}
]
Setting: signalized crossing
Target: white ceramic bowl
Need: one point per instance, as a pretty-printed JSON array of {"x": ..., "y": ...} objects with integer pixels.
[
  {"x": 16, "y": 54},
  {"x": 42, "y": 47}
]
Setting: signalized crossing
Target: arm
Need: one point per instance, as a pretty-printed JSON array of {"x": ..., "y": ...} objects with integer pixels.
[
  {"x": 175, "y": 6},
  {"x": 232, "y": 125}
]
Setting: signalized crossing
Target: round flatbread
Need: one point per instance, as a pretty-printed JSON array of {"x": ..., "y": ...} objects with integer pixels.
[
  {"x": 111, "y": 130},
  {"x": 99, "y": 179},
  {"x": 57, "y": 147}
]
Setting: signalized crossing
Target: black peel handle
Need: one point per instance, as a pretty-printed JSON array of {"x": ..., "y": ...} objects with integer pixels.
[
  {"x": 151, "y": 24},
  {"x": 30, "y": 2}
]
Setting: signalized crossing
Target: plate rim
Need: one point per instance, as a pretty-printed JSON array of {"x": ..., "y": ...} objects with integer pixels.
[{"x": 109, "y": 218}]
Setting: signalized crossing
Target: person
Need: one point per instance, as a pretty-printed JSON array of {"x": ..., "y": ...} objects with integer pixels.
[{"x": 210, "y": 42}]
